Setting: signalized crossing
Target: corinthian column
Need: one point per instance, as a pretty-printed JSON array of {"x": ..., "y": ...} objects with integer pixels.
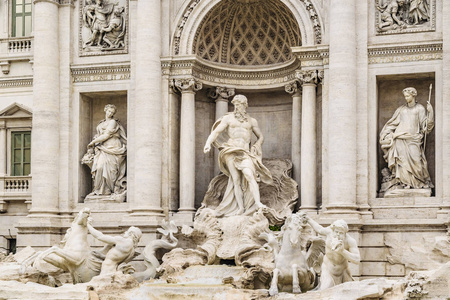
[
  {"x": 146, "y": 200},
  {"x": 342, "y": 107},
  {"x": 46, "y": 125},
  {"x": 309, "y": 81},
  {"x": 294, "y": 90},
  {"x": 222, "y": 96},
  {"x": 188, "y": 88}
]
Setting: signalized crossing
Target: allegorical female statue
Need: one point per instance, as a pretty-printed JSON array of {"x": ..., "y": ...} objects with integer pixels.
[
  {"x": 402, "y": 142},
  {"x": 106, "y": 156}
]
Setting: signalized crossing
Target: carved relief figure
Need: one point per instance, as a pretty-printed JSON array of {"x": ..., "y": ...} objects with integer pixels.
[
  {"x": 402, "y": 142},
  {"x": 240, "y": 162},
  {"x": 106, "y": 23},
  {"x": 120, "y": 249},
  {"x": 106, "y": 157},
  {"x": 389, "y": 15},
  {"x": 419, "y": 11},
  {"x": 340, "y": 249},
  {"x": 399, "y": 15}
]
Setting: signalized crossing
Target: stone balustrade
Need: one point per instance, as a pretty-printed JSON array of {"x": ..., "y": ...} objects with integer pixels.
[{"x": 14, "y": 188}]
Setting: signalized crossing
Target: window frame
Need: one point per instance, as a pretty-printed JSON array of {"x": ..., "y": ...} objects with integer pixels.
[
  {"x": 23, "y": 14},
  {"x": 23, "y": 148}
]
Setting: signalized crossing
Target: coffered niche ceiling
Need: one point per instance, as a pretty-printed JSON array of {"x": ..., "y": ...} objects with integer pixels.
[{"x": 246, "y": 32}]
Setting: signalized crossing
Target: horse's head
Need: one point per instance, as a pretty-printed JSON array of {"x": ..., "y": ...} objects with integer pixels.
[
  {"x": 82, "y": 217},
  {"x": 293, "y": 227}
]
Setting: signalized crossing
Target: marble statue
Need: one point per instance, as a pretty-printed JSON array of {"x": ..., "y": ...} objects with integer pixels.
[
  {"x": 340, "y": 249},
  {"x": 167, "y": 241},
  {"x": 297, "y": 255},
  {"x": 403, "y": 140},
  {"x": 120, "y": 250},
  {"x": 74, "y": 255},
  {"x": 106, "y": 156},
  {"x": 240, "y": 162},
  {"x": 106, "y": 23}
]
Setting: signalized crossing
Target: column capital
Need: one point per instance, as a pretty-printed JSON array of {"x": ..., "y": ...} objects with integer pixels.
[
  {"x": 188, "y": 85},
  {"x": 293, "y": 88},
  {"x": 309, "y": 76},
  {"x": 221, "y": 93}
]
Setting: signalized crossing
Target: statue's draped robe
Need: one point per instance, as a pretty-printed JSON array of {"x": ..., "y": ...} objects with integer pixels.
[
  {"x": 241, "y": 158},
  {"x": 109, "y": 165},
  {"x": 405, "y": 155}
]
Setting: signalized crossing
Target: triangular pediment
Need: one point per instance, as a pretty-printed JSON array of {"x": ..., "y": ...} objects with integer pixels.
[{"x": 16, "y": 110}]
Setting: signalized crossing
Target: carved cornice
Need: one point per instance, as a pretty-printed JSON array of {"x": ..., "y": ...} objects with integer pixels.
[
  {"x": 49, "y": 1},
  {"x": 312, "y": 56},
  {"x": 405, "y": 53},
  {"x": 218, "y": 75},
  {"x": 19, "y": 82},
  {"x": 188, "y": 85},
  {"x": 308, "y": 76},
  {"x": 100, "y": 73}
]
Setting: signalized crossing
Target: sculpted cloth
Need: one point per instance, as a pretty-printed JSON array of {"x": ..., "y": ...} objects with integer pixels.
[
  {"x": 109, "y": 165},
  {"x": 401, "y": 140},
  {"x": 241, "y": 158}
]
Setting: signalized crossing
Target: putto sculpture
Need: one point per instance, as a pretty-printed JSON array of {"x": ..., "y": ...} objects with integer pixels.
[
  {"x": 106, "y": 156},
  {"x": 298, "y": 254},
  {"x": 340, "y": 249},
  {"x": 403, "y": 140},
  {"x": 106, "y": 23},
  {"x": 240, "y": 162}
]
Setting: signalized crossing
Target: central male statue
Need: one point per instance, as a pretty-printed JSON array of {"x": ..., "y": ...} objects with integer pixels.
[{"x": 240, "y": 162}]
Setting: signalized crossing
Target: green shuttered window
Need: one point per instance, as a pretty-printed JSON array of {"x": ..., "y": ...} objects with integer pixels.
[
  {"x": 21, "y": 153},
  {"x": 21, "y": 18}
]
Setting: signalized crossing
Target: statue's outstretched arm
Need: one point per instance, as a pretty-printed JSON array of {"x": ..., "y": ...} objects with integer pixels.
[
  {"x": 215, "y": 133},
  {"x": 100, "y": 236},
  {"x": 353, "y": 253}
]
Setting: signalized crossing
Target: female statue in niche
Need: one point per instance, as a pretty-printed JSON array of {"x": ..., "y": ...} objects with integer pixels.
[
  {"x": 106, "y": 156},
  {"x": 402, "y": 140}
]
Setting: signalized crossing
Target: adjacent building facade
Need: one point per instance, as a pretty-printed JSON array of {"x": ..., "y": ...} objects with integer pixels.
[{"x": 322, "y": 78}]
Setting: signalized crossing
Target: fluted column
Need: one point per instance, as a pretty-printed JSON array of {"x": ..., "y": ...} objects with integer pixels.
[
  {"x": 223, "y": 96},
  {"x": 342, "y": 106},
  {"x": 308, "y": 185},
  {"x": 148, "y": 113},
  {"x": 46, "y": 124},
  {"x": 188, "y": 88},
  {"x": 294, "y": 90}
]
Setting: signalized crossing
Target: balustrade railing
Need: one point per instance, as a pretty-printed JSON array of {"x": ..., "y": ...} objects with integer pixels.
[
  {"x": 16, "y": 184},
  {"x": 19, "y": 45}
]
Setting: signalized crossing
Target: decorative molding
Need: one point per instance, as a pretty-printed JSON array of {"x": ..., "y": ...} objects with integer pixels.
[
  {"x": 312, "y": 56},
  {"x": 67, "y": 2},
  {"x": 405, "y": 53},
  {"x": 49, "y": 1},
  {"x": 5, "y": 66},
  {"x": 396, "y": 28},
  {"x": 100, "y": 73},
  {"x": 188, "y": 11},
  {"x": 18, "y": 82},
  {"x": 115, "y": 45}
]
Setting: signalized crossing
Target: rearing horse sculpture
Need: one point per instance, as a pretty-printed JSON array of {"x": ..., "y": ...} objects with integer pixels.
[
  {"x": 74, "y": 257},
  {"x": 298, "y": 260}
]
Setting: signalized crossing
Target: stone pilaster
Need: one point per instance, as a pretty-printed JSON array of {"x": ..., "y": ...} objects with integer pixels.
[
  {"x": 3, "y": 159},
  {"x": 188, "y": 88},
  {"x": 341, "y": 129},
  {"x": 146, "y": 199},
  {"x": 295, "y": 91}
]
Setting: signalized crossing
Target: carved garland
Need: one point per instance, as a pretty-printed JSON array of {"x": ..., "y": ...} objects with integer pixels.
[{"x": 308, "y": 5}]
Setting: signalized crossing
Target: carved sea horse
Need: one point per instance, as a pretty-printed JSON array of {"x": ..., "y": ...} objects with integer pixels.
[
  {"x": 75, "y": 255},
  {"x": 297, "y": 259}
]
